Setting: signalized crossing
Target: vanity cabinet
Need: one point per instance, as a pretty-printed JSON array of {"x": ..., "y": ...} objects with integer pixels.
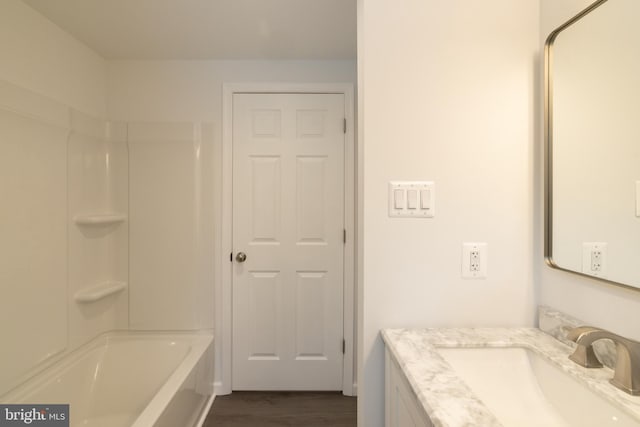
[{"x": 402, "y": 408}]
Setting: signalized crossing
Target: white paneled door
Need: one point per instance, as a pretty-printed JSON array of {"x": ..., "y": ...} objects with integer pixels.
[{"x": 288, "y": 221}]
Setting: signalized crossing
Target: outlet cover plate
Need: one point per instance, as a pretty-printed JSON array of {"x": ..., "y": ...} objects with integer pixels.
[
  {"x": 475, "y": 259},
  {"x": 594, "y": 258}
]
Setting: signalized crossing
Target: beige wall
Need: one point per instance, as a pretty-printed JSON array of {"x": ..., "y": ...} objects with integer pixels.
[
  {"x": 448, "y": 92},
  {"x": 192, "y": 90},
  {"x": 39, "y": 56}
]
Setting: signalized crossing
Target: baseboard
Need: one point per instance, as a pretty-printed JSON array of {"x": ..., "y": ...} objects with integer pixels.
[
  {"x": 219, "y": 389},
  {"x": 205, "y": 411}
]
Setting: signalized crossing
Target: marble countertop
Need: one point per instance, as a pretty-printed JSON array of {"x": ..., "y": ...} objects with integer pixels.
[{"x": 449, "y": 402}]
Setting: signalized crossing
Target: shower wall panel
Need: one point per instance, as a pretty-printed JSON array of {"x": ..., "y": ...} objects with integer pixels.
[
  {"x": 33, "y": 232},
  {"x": 171, "y": 271}
]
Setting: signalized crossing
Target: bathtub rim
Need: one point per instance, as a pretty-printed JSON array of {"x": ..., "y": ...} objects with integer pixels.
[
  {"x": 59, "y": 363},
  {"x": 161, "y": 400}
]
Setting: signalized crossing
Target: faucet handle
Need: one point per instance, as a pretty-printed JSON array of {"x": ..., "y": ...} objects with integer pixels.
[{"x": 583, "y": 354}]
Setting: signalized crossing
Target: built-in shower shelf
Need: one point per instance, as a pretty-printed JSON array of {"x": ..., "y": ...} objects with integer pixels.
[
  {"x": 99, "y": 291},
  {"x": 100, "y": 219}
]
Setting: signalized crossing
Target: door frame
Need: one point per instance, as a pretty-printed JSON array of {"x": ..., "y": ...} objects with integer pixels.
[{"x": 224, "y": 279}]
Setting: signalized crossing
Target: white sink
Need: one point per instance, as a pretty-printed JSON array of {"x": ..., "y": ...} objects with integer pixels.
[{"x": 524, "y": 389}]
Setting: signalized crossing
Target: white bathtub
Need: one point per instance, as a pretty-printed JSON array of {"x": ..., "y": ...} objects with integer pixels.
[{"x": 129, "y": 379}]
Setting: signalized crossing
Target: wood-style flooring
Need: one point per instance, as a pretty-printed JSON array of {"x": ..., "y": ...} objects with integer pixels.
[{"x": 278, "y": 409}]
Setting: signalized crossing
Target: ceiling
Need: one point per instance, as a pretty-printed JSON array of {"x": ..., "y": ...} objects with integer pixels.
[{"x": 208, "y": 29}]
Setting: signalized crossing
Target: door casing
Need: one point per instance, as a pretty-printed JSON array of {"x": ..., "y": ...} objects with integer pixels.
[{"x": 223, "y": 285}]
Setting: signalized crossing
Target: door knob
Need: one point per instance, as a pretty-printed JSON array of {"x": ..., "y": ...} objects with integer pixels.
[{"x": 241, "y": 257}]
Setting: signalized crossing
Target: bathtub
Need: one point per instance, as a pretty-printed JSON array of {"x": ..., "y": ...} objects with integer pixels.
[{"x": 129, "y": 379}]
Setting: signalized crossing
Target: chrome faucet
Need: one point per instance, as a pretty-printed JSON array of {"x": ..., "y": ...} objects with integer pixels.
[{"x": 627, "y": 369}]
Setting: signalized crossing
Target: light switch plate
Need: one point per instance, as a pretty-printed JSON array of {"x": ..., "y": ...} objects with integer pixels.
[{"x": 411, "y": 199}]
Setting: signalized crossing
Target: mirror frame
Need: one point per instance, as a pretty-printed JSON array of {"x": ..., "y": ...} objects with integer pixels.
[{"x": 548, "y": 148}]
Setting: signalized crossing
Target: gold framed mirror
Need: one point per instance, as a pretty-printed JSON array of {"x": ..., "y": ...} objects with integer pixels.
[{"x": 592, "y": 143}]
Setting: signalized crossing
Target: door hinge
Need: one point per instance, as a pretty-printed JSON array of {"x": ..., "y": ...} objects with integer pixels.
[
  {"x": 344, "y": 235},
  {"x": 344, "y": 125},
  {"x": 231, "y": 257},
  {"x": 344, "y": 346}
]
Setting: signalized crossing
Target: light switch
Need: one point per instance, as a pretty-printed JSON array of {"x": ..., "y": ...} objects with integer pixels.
[
  {"x": 425, "y": 199},
  {"x": 412, "y": 199},
  {"x": 398, "y": 199}
]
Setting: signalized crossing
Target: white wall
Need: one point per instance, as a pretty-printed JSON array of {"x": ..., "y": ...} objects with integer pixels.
[
  {"x": 448, "y": 93},
  {"x": 38, "y": 55},
  {"x": 598, "y": 303}
]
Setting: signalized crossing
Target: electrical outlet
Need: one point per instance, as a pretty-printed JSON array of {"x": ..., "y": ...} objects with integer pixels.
[
  {"x": 474, "y": 260},
  {"x": 594, "y": 258},
  {"x": 474, "y": 256}
]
